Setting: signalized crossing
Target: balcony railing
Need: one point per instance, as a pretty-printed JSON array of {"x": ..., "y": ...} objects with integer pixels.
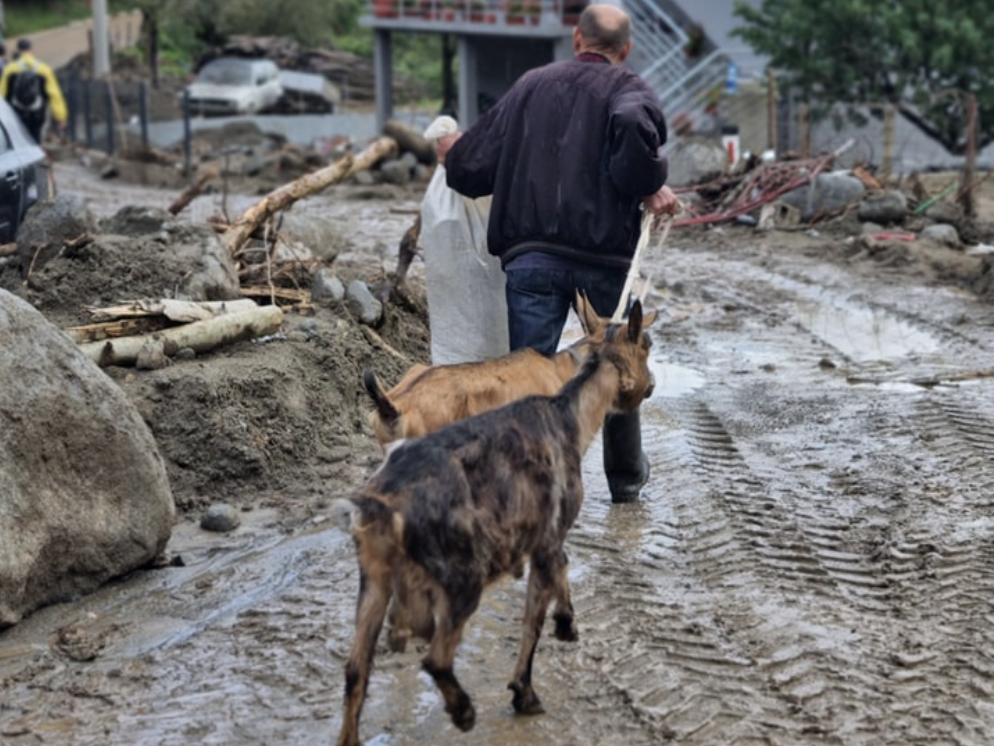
[{"x": 479, "y": 13}]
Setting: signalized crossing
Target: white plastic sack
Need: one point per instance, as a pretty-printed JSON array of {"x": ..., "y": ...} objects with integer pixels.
[{"x": 467, "y": 311}]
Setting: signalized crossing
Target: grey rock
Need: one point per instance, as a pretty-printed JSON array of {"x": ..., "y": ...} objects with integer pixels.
[
  {"x": 48, "y": 225},
  {"x": 829, "y": 194},
  {"x": 363, "y": 305},
  {"x": 136, "y": 220},
  {"x": 696, "y": 161},
  {"x": 326, "y": 287},
  {"x": 942, "y": 233},
  {"x": 84, "y": 495},
  {"x": 886, "y": 208},
  {"x": 220, "y": 517},
  {"x": 324, "y": 238},
  {"x": 397, "y": 172}
]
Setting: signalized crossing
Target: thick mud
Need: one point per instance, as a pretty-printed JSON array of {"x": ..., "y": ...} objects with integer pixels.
[{"x": 810, "y": 562}]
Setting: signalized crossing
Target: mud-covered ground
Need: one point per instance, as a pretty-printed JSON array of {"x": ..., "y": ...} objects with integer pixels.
[{"x": 810, "y": 563}]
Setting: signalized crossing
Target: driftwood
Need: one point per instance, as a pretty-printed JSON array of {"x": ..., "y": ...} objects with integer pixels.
[
  {"x": 200, "y": 336},
  {"x": 240, "y": 231},
  {"x": 410, "y": 139},
  {"x": 147, "y": 316},
  {"x": 293, "y": 296},
  {"x": 180, "y": 311},
  {"x": 407, "y": 251},
  {"x": 187, "y": 195}
]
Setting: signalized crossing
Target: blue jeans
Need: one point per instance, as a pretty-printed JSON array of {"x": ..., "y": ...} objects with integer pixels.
[{"x": 538, "y": 302}]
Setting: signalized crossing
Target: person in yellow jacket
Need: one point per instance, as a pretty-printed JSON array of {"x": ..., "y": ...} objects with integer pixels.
[{"x": 32, "y": 89}]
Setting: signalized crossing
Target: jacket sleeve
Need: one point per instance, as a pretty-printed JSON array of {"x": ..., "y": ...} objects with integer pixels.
[
  {"x": 8, "y": 71},
  {"x": 56, "y": 100},
  {"x": 471, "y": 164},
  {"x": 637, "y": 131}
]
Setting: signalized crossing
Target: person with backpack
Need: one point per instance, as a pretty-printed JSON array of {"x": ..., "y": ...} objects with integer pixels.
[{"x": 32, "y": 89}]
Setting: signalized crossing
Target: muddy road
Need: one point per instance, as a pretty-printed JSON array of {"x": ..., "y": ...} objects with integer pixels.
[{"x": 810, "y": 563}]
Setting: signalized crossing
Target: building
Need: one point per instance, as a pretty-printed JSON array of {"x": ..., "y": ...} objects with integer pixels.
[{"x": 686, "y": 58}]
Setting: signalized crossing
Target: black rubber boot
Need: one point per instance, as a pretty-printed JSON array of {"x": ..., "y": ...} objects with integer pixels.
[{"x": 625, "y": 464}]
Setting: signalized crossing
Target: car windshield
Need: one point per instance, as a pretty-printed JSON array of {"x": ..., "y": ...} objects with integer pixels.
[{"x": 226, "y": 75}]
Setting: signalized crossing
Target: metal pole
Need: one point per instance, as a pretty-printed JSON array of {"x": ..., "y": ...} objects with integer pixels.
[
  {"x": 101, "y": 41},
  {"x": 143, "y": 109},
  {"x": 187, "y": 134},
  {"x": 88, "y": 111},
  {"x": 771, "y": 110},
  {"x": 888, "y": 157},
  {"x": 109, "y": 113},
  {"x": 970, "y": 165}
]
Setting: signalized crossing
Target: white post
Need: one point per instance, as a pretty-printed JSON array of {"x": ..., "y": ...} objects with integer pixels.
[{"x": 101, "y": 42}]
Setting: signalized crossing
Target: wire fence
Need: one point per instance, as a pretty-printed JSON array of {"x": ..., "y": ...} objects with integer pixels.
[{"x": 871, "y": 135}]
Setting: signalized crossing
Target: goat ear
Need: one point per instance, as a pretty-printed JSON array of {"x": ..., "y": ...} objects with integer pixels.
[
  {"x": 589, "y": 320},
  {"x": 635, "y": 322}
]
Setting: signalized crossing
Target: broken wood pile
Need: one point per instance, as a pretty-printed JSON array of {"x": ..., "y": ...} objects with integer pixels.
[
  {"x": 731, "y": 197},
  {"x": 147, "y": 333}
]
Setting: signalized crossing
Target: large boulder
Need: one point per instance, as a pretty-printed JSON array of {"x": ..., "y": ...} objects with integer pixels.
[
  {"x": 829, "y": 194},
  {"x": 84, "y": 495},
  {"x": 47, "y": 227},
  {"x": 694, "y": 161}
]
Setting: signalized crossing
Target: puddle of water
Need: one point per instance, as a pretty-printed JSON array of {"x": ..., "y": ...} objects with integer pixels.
[
  {"x": 673, "y": 381},
  {"x": 864, "y": 334}
]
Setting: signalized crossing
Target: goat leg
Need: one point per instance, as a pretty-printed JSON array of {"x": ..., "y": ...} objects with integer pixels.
[
  {"x": 540, "y": 587},
  {"x": 438, "y": 664},
  {"x": 374, "y": 595},
  {"x": 563, "y": 615}
]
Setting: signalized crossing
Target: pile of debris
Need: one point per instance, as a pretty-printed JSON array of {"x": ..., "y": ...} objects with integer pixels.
[{"x": 800, "y": 193}]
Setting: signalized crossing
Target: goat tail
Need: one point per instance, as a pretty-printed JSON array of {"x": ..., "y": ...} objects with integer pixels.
[
  {"x": 357, "y": 514},
  {"x": 345, "y": 513},
  {"x": 385, "y": 410}
]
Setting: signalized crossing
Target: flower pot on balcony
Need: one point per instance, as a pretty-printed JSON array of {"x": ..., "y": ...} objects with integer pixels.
[{"x": 385, "y": 8}]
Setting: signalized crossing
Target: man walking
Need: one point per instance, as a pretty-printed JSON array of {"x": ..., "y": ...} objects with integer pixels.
[
  {"x": 31, "y": 88},
  {"x": 571, "y": 156}
]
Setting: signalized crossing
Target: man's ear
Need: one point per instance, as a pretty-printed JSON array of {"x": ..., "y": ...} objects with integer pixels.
[
  {"x": 577, "y": 40},
  {"x": 624, "y": 52}
]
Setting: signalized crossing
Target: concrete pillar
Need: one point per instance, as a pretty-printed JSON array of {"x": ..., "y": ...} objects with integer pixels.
[
  {"x": 383, "y": 68},
  {"x": 101, "y": 40},
  {"x": 469, "y": 88}
]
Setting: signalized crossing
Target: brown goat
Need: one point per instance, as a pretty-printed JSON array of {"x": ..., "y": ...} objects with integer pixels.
[
  {"x": 428, "y": 398},
  {"x": 452, "y": 512}
]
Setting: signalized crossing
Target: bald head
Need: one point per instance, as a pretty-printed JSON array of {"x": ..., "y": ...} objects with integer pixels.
[{"x": 605, "y": 29}]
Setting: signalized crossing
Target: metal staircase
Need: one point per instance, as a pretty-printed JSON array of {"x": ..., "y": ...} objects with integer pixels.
[{"x": 687, "y": 85}]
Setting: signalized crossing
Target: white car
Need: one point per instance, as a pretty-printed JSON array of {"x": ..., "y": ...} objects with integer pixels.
[{"x": 232, "y": 85}]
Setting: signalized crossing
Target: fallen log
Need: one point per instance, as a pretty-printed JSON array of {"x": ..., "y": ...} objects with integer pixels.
[
  {"x": 200, "y": 336},
  {"x": 180, "y": 311},
  {"x": 187, "y": 195},
  {"x": 241, "y": 229},
  {"x": 274, "y": 293}
]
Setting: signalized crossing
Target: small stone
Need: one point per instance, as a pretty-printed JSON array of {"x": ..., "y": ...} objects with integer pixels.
[{"x": 221, "y": 518}]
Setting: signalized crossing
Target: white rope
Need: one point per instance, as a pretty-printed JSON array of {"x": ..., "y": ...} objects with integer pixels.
[{"x": 633, "y": 271}]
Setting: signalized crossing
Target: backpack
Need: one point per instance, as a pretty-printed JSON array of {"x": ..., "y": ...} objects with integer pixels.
[{"x": 27, "y": 93}]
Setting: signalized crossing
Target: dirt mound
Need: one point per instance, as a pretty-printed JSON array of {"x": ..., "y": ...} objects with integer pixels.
[{"x": 279, "y": 421}]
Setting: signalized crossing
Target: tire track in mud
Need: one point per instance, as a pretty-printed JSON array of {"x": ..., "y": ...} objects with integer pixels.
[{"x": 729, "y": 528}]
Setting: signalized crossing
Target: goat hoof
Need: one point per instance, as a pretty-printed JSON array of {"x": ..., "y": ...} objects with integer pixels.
[
  {"x": 397, "y": 641},
  {"x": 525, "y": 701},
  {"x": 566, "y": 629},
  {"x": 464, "y": 717}
]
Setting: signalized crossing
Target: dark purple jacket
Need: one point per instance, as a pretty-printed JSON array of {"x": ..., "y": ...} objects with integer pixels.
[{"x": 568, "y": 154}]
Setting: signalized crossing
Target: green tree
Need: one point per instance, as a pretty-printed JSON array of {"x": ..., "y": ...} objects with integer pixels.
[{"x": 924, "y": 57}]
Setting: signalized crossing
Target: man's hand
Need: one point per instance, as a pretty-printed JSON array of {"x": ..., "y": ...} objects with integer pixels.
[
  {"x": 444, "y": 144},
  {"x": 663, "y": 202}
]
